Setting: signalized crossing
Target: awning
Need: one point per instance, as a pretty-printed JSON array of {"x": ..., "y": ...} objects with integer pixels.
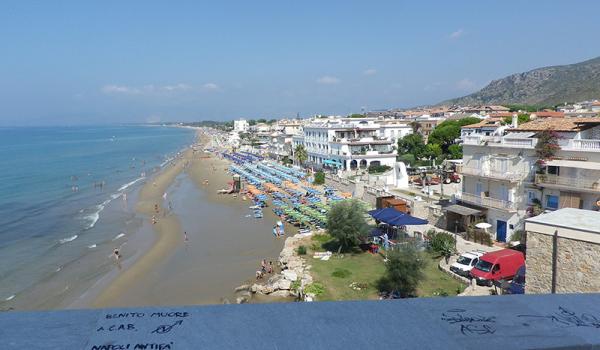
[
  {"x": 462, "y": 210},
  {"x": 332, "y": 162},
  {"x": 394, "y": 217},
  {"x": 575, "y": 164}
]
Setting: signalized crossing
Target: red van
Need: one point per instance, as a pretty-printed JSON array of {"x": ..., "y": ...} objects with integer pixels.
[{"x": 499, "y": 265}]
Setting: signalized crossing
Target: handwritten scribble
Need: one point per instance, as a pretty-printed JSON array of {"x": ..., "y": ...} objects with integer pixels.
[
  {"x": 166, "y": 328},
  {"x": 470, "y": 324},
  {"x": 567, "y": 318}
]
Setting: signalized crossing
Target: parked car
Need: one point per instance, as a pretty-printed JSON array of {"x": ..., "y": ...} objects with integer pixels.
[
  {"x": 498, "y": 265},
  {"x": 465, "y": 263},
  {"x": 517, "y": 285}
]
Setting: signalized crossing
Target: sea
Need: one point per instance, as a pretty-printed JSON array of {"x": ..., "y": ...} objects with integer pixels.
[{"x": 67, "y": 198}]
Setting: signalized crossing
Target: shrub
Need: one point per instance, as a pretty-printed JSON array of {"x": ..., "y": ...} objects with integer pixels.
[
  {"x": 441, "y": 242},
  {"x": 341, "y": 273},
  {"x": 301, "y": 250},
  {"x": 319, "y": 178},
  {"x": 517, "y": 236},
  {"x": 314, "y": 288},
  {"x": 346, "y": 222},
  {"x": 404, "y": 271},
  {"x": 377, "y": 169}
]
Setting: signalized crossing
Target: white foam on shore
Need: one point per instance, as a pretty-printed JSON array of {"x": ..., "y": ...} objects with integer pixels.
[
  {"x": 10, "y": 298},
  {"x": 127, "y": 185},
  {"x": 68, "y": 239},
  {"x": 92, "y": 246},
  {"x": 119, "y": 236}
]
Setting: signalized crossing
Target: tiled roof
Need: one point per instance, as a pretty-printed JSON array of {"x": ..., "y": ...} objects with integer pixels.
[
  {"x": 486, "y": 122},
  {"x": 559, "y": 124},
  {"x": 549, "y": 114}
]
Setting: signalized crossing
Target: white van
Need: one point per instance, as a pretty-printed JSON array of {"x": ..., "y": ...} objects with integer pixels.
[{"x": 465, "y": 262}]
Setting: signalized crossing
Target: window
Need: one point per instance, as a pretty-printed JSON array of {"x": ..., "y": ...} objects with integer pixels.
[
  {"x": 551, "y": 202},
  {"x": 478, "y": 189},
  {"x": 530, "y": 197},
  {"x": 496, "y": 268},
  {"x": 553, "y": 170}
]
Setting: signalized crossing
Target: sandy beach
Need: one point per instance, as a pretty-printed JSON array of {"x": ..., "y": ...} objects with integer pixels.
[{"x": 224, "y": 246}]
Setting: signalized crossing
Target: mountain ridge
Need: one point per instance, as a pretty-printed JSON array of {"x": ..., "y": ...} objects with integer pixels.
[{"x": 546, "y": 86}]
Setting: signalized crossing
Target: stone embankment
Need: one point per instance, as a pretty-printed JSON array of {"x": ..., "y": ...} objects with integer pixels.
[{"x": 290, "y": 282}]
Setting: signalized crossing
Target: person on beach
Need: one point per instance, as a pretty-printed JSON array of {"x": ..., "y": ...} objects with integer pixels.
[
  {"x": 185, "y": 237},
  {"x": 270, "y": 267},
  {"x": 156, "y": 208},
  {"x": 275, "y": 233},
  {"x": 263, "y": 266},
  {"x": 153, "y": 219},
  {"x": 259, "y": 275},
  {"x": 117, "y": 256}
]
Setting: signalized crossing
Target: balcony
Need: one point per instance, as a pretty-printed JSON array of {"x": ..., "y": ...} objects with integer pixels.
[
  {"x": 567, "y": 182},
  {"x": 580, "y": 145},
  {"x": 512, "y": 176},
  {"x": 488, "y": 202},
  {"x": 497, "y": 141}
]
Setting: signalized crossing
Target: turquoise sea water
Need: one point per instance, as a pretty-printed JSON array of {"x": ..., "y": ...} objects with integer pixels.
[{"x": 57, "y": 188}]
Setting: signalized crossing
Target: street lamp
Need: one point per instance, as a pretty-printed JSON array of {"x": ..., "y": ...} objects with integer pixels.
[{"x": 455, "y": 233}]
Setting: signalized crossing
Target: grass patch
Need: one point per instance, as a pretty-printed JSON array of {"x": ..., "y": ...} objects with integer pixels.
[
  {"x": 338, "y": 274},
  {"x": 354, "y": 277},
  {"x": 341, "y": 273},
  {"x": 436, "y": 282}
]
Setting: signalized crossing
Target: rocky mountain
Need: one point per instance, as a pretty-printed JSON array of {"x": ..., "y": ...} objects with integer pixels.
[{"x": 543, "y": 86}]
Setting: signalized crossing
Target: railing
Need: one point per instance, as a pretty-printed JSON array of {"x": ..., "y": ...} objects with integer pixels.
[
  {"x": 567, "y": 181},
  {"x": 513, "y": 176},
  {"x": 584, "y": 145},
  {"x": 505, "y": 141},
  {"x": 488, "y": 202}
]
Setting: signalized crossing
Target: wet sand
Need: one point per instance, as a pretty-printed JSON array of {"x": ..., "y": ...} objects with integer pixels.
[{"x": 224, "y": 248}]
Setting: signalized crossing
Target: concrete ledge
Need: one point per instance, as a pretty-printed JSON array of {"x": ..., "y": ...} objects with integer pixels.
[{"x": 499, "y": 322}]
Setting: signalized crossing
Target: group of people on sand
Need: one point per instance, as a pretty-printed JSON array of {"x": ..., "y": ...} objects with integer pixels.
[{"x": 264, "y": 269}]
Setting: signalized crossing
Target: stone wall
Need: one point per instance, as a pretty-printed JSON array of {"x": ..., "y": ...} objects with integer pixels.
[{"x": 577, "y": 265}]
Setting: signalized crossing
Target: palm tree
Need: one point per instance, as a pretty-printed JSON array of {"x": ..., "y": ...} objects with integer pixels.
[{"x": 300, "y": 154}]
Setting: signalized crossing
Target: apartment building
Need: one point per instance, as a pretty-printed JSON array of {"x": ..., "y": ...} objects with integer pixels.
[
  {"x": 503, "y": 179},
  {"x": 345, "y": 143}
]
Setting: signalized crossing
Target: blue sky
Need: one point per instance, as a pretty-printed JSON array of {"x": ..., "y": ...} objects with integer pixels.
[{"x": 77, "y": 62}]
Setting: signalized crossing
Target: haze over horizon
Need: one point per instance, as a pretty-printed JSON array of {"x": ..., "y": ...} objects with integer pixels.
[{"x": 112, "y": 62}]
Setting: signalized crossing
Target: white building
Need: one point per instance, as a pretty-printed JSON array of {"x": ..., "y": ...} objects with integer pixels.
[
  {"x": 345, "y": 143},
  {"x": 503, "y": 179},
  {"x": 240, "y": 125}
]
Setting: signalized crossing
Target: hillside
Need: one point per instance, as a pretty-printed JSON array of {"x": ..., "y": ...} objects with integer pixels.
[{"x": 543, "y": 86}]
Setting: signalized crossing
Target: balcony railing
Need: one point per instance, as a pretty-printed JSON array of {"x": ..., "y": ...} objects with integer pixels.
[
  {"x": 506, "y": 141},
  {"x": 512, "y": 176},
  {"x": 581, "y": 145},
  {"x": 567, "y": 181},
  {"x": 487, "y": 202}
]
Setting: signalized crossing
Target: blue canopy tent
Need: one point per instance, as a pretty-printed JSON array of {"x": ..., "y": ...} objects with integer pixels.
[{"x": 394, "y": 217}]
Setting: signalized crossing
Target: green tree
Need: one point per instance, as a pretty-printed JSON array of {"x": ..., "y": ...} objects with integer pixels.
[
  {"x": 261, "y": 121},
  {"x": 251, "y": 122},
  {"x": 356, "y": 115},
  {"x": 319, "y": 178},
  {"x": 404, "y": 271},
  {"x": 300, "y": 154},
  {"x": 412, "y": 144},
  {"x": 346, "y": 222},
  {"x": 455, "y": 152},
  {"x": 521, "y": 118},
  {"x": 408, "y": 159},
  {"x": 433, "y": 151},
  {"x": 448, "y": 131}
]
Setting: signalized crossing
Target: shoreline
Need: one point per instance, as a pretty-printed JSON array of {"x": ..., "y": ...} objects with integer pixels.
[{"x": 164, "y": 264}]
